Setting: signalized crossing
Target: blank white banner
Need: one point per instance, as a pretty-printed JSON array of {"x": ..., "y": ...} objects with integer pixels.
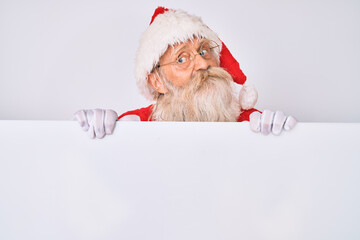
[{"x": 179, "y": 181}]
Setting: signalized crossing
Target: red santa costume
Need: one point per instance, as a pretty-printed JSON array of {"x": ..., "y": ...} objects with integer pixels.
[{"x": 168, "y": 27}]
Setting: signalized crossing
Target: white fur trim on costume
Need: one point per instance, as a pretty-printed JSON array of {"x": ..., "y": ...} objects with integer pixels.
[
  {"x": 130, "y": 118},
  {"x": 167, "y": 29}
]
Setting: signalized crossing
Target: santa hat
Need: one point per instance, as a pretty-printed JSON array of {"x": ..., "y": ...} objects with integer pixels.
[{"x": 168, "y": 27}]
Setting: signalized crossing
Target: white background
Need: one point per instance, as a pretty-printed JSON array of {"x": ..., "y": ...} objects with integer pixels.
[{"x": 60, "y": 56}]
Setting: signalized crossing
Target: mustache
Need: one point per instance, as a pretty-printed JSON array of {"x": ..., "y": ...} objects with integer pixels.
[{"x": 202, "y": 76}]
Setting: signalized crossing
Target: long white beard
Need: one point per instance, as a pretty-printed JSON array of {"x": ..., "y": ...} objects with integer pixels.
[{"x": 207, "y": 97}]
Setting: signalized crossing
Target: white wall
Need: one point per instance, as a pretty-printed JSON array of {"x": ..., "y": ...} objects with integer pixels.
[
  {"x": 161, "y": 181},
  {"x": 60, "y": 56}
]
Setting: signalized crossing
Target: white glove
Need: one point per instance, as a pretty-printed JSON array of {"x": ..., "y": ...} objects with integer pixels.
[
  {"x": 97, "y": 122},
  {"x": 270, "y": 121}
]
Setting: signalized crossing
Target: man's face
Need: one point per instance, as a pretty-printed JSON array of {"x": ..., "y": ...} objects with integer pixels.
[
  {"x": 179, "y": 76},
  {"x": 192, "y": 86}
]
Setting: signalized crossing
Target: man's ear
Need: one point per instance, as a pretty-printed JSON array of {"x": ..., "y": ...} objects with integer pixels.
[{"x": 155, "y": 82}]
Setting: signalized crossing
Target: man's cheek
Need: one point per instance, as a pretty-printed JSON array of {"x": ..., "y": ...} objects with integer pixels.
[
  {"x": 182, "y": 80},
  {"x": 214, "y": 63}
]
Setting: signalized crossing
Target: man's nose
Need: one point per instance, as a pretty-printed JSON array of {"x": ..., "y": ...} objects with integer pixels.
[{"x": 200, "y": 63}]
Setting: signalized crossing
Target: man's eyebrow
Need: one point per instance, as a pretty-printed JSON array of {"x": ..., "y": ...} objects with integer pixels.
[
  {"x": 203, "y": 41},
  {"x": 200, "y": 43},
  {"x": 178, "y": 50}
]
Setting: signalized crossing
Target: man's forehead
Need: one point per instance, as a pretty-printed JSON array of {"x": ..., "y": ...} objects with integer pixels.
[
  {"x": 195, "y": 42},
  {"x": 191, "y": 42}
]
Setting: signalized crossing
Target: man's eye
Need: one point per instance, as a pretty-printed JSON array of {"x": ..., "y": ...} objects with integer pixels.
[
  {"x": 181, "y": 60},
  {"x": 203, "y": 52}
]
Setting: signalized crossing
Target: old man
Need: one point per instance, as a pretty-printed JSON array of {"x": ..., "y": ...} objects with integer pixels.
[{"x": 189, "y": 74}]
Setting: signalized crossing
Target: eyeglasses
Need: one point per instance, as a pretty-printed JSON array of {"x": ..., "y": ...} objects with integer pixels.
[{"x": 208, "y": 49}]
